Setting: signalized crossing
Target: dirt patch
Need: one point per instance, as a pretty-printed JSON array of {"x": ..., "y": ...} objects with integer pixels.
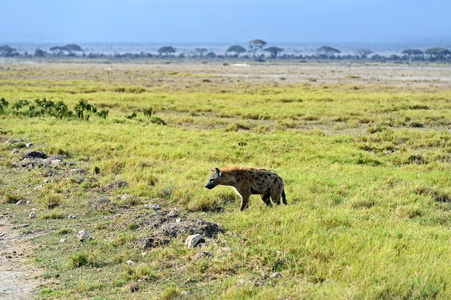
[
  {"x": 169, "y": 226},
  {"x": 17, "y": 274}
]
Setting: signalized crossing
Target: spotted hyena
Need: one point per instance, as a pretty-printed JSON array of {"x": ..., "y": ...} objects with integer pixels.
[{"x": 248, "y": 181}]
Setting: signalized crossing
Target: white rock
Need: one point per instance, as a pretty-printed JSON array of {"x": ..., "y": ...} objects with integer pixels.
[
  {"x": 178, "y": 220},
  {"x": 276, "y": 275},
  {"x": 83, "y": 235},
  {"x": 184, "y": 293},
  {"x": 29, "y": 145},
  {"x": 62, "y": 240},
  {"x": 21, "y": 202},
  {"x": 28, "y": 202},
  {"x": 193, "y": 240},
  {"x": 130, "y": 262},
  {"x": 143, "y": 254},
  {"x": 71, "y": 217},
  {"x": 153, "y": 206},
  {"x": 126, "y": 196},
  {"x": 15, "y": 151},
  {"x": 117, "y": 215},
  {"x": 32, "y": 215}
]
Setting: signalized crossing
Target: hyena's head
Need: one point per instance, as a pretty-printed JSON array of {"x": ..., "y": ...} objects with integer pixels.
[{"x": 215, "y": 178}]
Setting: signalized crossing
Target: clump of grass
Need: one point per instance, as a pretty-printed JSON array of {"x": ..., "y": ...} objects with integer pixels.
[
  {"x": 133, "y": 226},
  {"x": 237, "y": 126},
  {"x": 53, "y": 215},
  {"x": 438, "y": 196},
  {"x": 51, "y": 201},
  {"x": 139, "y": 272},
  {"x": 79, "y": 259},
  {"x": 170, "y": 293},
  {"x": 157, "y": 120},
  {"x": 10, "y": 198},
  {"x": 65, "y": 231}
]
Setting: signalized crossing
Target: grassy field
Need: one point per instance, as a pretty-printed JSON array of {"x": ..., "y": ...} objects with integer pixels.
[{"x": 364, "y": 152}]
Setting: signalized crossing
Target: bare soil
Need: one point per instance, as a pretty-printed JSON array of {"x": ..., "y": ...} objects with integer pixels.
[{"x": 17, "y": 273}]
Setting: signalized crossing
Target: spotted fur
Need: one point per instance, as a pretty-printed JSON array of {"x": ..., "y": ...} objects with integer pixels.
[{"x": 249, "y": 181}]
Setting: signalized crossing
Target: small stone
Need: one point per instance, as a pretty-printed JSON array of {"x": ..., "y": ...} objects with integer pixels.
[
  {"x": 155, "y": 207},
  {"x": 130, "y": 262},
  {"x": 83, "y": 235},
  {"x": 32, "y": 215},
  {"x": 193, "y": 240},
  {"x": 21, "y": 202},
  {"x": 15, "y": 151},
  {"x": 276, "y": 275},
  {"x": 126, "y": 196},
  {"x": 62, "y": 240},
  {"x": 71, "y": 217},
  {"x": 25, "y": 225},
  {"x": 243, "y": 282},
  {"x": 28, "y": 202},
  {"x": 117, "y": 216},
  {"x": 45, "y": 181},
  {"x": 178, "y": 220},
  {"x": 143, "y": 254},
  {"x": 184, "y": 293},
  {"x": 39, "y": 187},
  {"x": 29, "y": 145}
]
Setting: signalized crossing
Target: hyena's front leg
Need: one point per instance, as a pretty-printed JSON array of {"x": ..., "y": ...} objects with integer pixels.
[{"x": 244, "y": 201}]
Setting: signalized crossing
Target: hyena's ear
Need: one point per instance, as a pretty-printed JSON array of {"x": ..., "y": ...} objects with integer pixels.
[
  {"x": 219, "y": 172},
  {"x": 211, "y": 170}
]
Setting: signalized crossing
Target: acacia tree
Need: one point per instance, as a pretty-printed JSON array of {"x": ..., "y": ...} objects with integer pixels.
[
  {"x": 201, "y": 51},
  {"x": 69, "y": 48},
  {"x": 364, "y": 53},
  {"x": 40, "y": 53},
  {"x": 237, "y": 49},
  {"x": 437, "y": 53},
  {"x": 328, "y": 51},
  {"x": 166, "y": 50},
  {"x": 413, "y": 52},
  {"x": 8, "y": 51},
  {"x": 255, "y": 45},
  {"x": 274, "y": 51}
]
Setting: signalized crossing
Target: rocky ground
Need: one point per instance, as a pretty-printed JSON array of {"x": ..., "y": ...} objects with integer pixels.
[{"x": 19, "y": 277}]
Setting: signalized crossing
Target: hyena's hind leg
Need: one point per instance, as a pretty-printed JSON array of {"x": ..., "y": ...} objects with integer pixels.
[
  {"x": 265, "y": 198},
  {"x": 275, "y": 196},
  {"x": 284, "y": 198}
]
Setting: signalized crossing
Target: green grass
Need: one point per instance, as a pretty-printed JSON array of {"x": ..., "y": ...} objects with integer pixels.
[{"x": 369, "y": 195}]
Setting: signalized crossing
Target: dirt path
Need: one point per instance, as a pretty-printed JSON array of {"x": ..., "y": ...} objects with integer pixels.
[{"x": 16, "y": 271}]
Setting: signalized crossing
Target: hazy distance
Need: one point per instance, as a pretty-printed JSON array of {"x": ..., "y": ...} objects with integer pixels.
[{"x": 221, "y": 21}]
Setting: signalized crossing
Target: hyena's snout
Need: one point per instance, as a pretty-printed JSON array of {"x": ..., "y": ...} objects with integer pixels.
[{"x": 209, "y": 185}]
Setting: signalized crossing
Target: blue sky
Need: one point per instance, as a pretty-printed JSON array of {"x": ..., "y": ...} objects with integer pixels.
[{"x": 214, "y": 21}]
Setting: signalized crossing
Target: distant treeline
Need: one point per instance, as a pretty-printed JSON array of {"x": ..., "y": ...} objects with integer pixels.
[{"x": 256, "y": 50}]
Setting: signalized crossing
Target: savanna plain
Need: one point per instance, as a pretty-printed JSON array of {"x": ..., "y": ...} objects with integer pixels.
[{"x": 364, "y": 151}]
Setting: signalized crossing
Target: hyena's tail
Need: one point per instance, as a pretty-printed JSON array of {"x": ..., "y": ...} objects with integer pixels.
[{"x": 284, "y": 199}]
